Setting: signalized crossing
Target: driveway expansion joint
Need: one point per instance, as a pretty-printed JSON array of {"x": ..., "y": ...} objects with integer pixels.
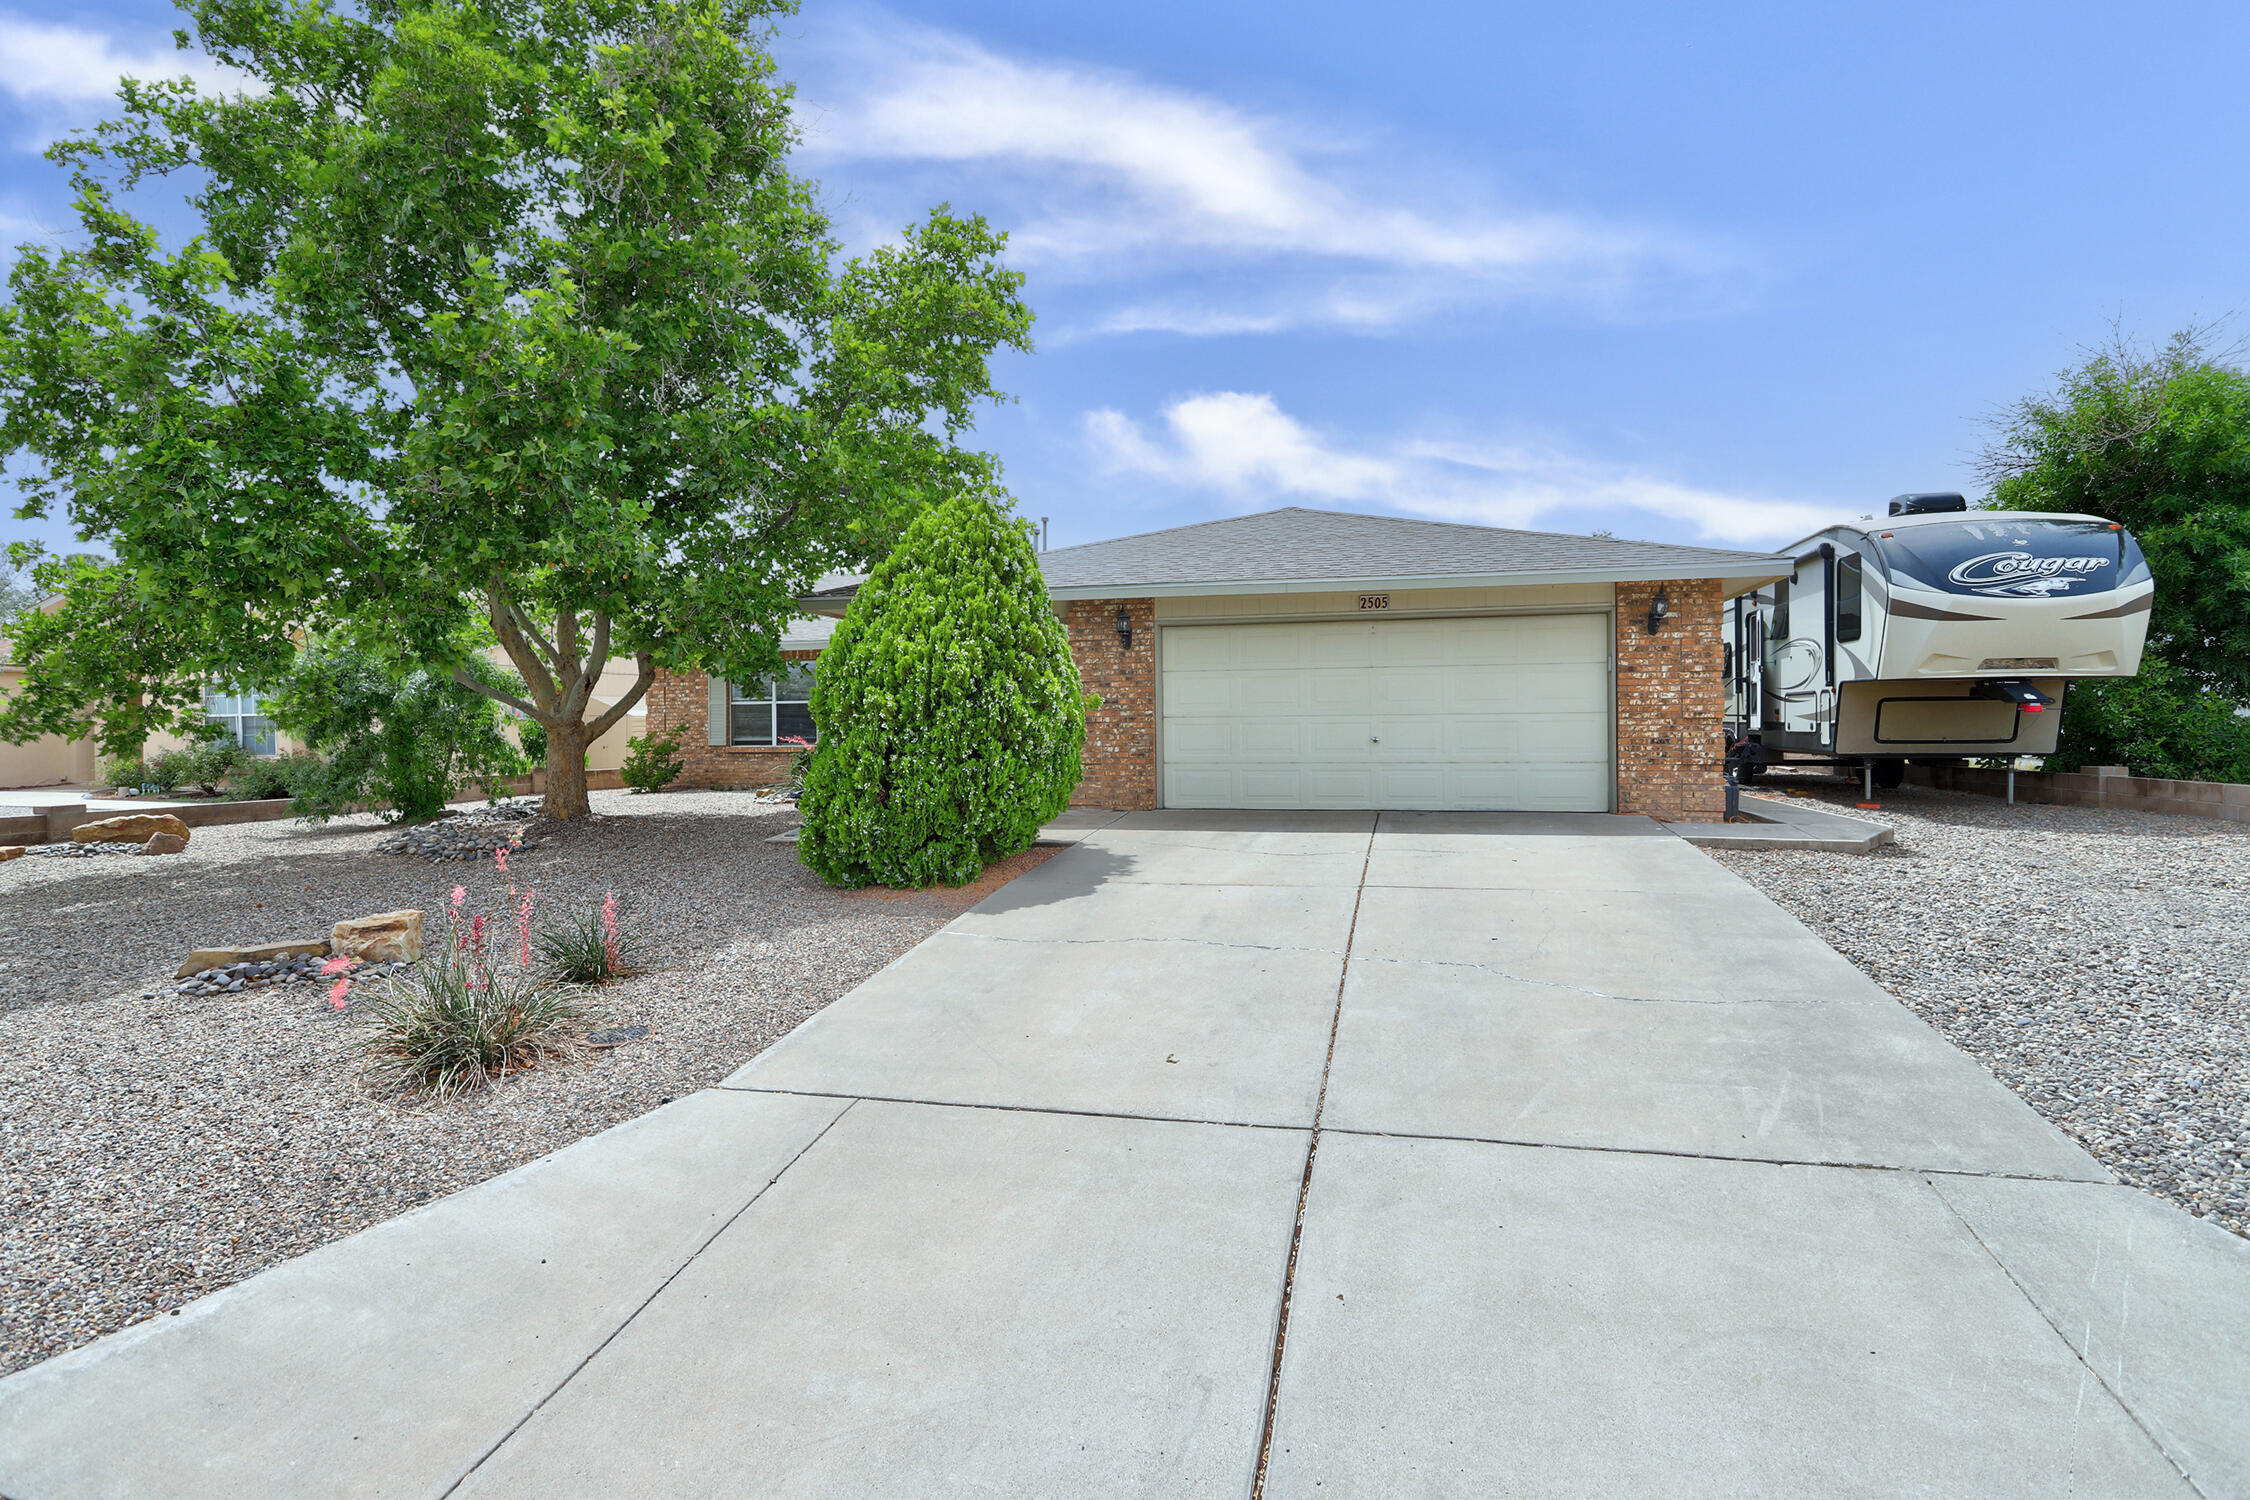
[
  {"x": 1020, "y": 1109},
  {"x": 2076, "y": 1351},
  {"x": 1718, "y": 1156},
  {"x": 1580, "y": 989},
  {"x": 1002, "y": 937},
  {"x": 638, "y": 1308}
]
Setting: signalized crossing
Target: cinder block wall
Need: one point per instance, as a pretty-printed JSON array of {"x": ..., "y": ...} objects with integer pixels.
[
  {"x": 1120, "y": 756},
  {"x": 1671, "y": 699},
  {"x": 682, "y": 700}
]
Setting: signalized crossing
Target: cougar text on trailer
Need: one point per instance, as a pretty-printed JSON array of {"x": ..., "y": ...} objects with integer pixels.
[{"x": 1936, "y": 634}]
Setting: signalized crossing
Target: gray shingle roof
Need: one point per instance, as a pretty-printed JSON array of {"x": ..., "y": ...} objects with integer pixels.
[
  {"x": 1297, "y": 549},
  {"x": 1344, "y": 549}
]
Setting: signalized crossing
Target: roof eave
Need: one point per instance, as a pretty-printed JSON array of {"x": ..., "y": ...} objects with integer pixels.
[
  {"x": 1742, "y": 576},
  {"x": 1737, "y": 577}
]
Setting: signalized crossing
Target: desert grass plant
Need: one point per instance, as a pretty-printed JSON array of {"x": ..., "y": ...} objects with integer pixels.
[
  {"x": 590, "y": 950},
  {"x": 467, "y": 1015},
  {"x": 652, "y": 761}
]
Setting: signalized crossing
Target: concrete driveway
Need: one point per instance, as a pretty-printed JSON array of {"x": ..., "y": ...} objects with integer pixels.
[{"x": 1555, "y": 1160}]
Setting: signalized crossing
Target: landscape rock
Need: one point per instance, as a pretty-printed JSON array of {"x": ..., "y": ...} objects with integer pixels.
[
  {"x": 131, "y": 828},
  {"x": 11, "y": 851},
  {"x": 386, "y": 937},
  {"x": 467, "y": 833},
  {"x": 220, "y": 958},
  {"x": 164, "y": 843}
]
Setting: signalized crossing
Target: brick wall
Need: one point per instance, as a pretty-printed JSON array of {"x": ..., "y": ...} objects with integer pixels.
[
  {"x": 1671, "y": 697},
  {"x": 682, "y": 700},
  {"x": 1120, "y": 758}
]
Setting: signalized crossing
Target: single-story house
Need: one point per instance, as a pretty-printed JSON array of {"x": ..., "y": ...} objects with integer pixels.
[{"x": 1316, "y": 659}]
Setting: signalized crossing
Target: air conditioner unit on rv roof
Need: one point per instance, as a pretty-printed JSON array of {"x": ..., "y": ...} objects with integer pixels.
[{"x": 1922, "y": 505}]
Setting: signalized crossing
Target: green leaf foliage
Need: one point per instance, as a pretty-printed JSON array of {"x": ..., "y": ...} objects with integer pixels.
[
  {"x": 390, "y": 733},
  {"x": 652, "y": 761},
  {"x": 2160, "y": 441},
  {"x": 501, "y": 317},
  {"x": 951, "y": 716}
]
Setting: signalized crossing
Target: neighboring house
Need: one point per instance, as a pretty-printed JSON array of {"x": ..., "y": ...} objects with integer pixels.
[{"x": 1316, "y": 659}]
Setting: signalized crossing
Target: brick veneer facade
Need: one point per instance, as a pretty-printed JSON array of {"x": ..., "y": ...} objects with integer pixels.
[
  {"x": 682, "y": 700},
  {"x": 1671, "y": 698},
  {"x": 1120, "y": 756}
]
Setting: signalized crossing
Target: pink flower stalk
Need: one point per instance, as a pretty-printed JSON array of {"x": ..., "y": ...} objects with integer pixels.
[
  {"x": 610, "y": 945},
  {"x": 476, "y": 933},
  {"x": 337, "y": 965},
  {"x": 460, "y": 894},
  {"x": 523, "y": 928},
  {"x": 337, "y": 991},
  {"x": 500, "y": 858}
]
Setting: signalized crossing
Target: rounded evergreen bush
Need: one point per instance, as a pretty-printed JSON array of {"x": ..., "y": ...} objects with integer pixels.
[{"x": 951, "y": 717}]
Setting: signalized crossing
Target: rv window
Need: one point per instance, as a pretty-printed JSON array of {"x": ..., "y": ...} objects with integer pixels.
[
  {"x": 1850, "y": 590},
  {"x": 1781, "y": 610}
]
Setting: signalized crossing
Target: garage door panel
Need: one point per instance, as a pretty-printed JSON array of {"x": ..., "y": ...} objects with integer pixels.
[
  {"x": 1498, "y": 712},
  {"x": 1338, "y": 739}
]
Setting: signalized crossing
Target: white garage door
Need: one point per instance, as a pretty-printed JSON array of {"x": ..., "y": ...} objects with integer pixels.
[{"x": 1508, "y": 712}]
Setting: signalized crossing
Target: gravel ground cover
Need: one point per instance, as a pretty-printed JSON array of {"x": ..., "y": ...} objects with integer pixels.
[
  {"x": 152, "y": 1150},
  {"x": 2097, "y": 962}
]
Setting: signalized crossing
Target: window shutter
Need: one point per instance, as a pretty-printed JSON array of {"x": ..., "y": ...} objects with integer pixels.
[{"x": 718, "y": 689}]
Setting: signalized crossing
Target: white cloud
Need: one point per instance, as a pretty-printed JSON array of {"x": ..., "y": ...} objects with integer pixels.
[
  {"x": 1114, "y": 177},
  {"x": 1245, "y": 449},
  {"x": 50, "y": 65}
]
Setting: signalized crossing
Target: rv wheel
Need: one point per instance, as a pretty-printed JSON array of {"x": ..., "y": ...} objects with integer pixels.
[{"x": 1889, "y": 774}]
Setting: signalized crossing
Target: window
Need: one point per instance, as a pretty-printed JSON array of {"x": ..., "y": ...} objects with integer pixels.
[
  {"x": 243, "y": 716},
  {"x": 1781, "y": 610},
  {"x": 775, "y": 711},
  {"x": 1851, "y": 590}
]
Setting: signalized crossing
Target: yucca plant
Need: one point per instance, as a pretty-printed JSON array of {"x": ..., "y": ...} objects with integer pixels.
[
  {"x": 458, "y": 1019},
  {"x": 450, "y": 1028},
  {"x": 590, "y": 950}
]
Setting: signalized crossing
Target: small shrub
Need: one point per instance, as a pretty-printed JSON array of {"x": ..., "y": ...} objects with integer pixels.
[
  {"x": 800, "y": 767},
  {"x": 270, "y": 777},
  {"x": 128, "y": 772},
  {"x": 590, "y": 950},
  {"x": 652, "y": 761},
  {"x": 203, "y": 766}
]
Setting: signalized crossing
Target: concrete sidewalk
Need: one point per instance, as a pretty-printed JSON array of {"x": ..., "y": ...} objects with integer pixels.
[{"x": 1613, "y": 1180}]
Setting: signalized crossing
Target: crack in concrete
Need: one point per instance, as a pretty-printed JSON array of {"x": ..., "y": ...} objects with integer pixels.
[{"x": 1557, "y": 984}]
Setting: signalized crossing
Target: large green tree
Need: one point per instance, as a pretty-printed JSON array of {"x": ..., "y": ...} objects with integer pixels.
[
  {"x": 505, "y": 320},
  {"x": 2158, "y": 439}
]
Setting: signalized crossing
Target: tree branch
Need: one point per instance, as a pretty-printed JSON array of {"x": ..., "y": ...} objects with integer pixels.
[
  {"x": 496, "y": 694},
  {"x": 624, "y": 705}
]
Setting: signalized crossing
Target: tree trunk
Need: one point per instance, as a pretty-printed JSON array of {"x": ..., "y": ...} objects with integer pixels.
[{"x": 566, "y": 771}]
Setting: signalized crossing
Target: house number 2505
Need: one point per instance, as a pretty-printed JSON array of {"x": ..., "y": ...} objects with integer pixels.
[{"x": 1374, "y": 601}]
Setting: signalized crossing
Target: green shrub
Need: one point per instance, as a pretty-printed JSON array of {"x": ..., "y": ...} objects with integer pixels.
[
  {"x": 390, "y": 733},
  {"x": 951, "y": 717},
  {"x": 652, "y": 761},
  {"x": 265, "y": 778},
  {"x": 203, "y": 766},
  {"x": 129, "y": 772}
]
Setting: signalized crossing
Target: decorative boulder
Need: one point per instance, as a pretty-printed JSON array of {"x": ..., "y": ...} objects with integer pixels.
[
  {"x": 385, "y": 938},
  {"x": 132, "y": 828},
  {"x": 11, "y": 851},
  {"x": 219, "y": 958},
  {"x": 164, "y": 843}
]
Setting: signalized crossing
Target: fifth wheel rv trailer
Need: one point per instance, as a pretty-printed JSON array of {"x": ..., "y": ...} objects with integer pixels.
[{"x": 1933, "y": 635}]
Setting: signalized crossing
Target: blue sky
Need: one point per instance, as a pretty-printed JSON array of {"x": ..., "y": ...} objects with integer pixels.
[{"x": 1713, "y": 274}]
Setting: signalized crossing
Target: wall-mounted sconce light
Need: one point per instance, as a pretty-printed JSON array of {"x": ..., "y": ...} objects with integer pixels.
[
  {"x": 1124, "y": 629},
  {"x": 1659, "y": 610}
]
